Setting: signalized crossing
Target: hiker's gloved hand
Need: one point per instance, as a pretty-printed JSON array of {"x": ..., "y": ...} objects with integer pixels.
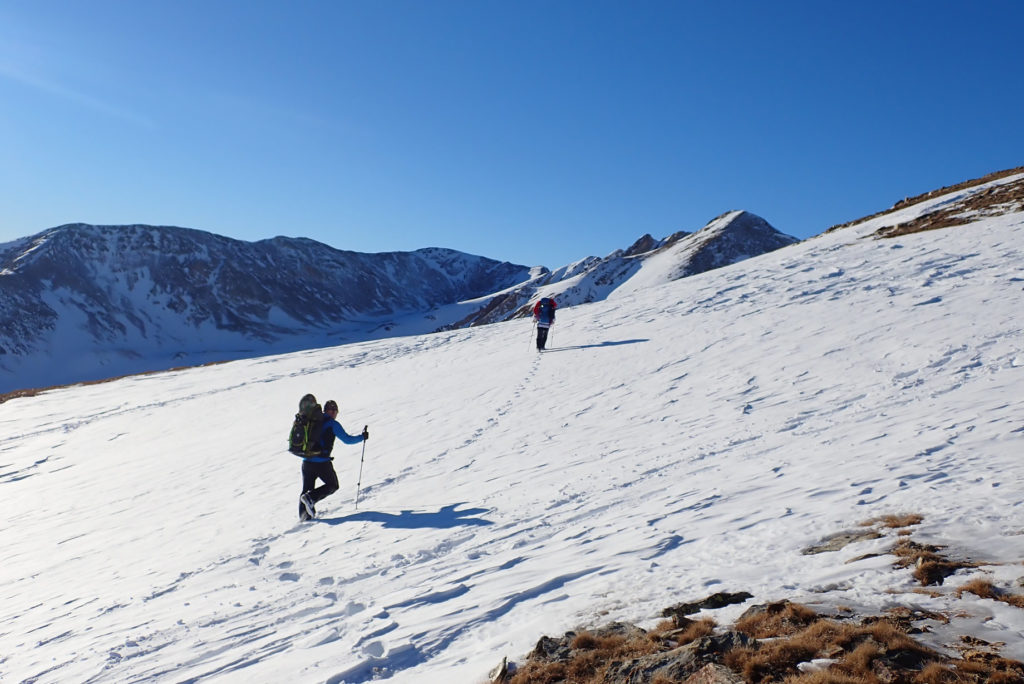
[{"x": 366, "y": 434}]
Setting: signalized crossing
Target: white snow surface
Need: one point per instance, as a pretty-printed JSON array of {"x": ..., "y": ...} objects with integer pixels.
[{"x": 679, "y": 441}]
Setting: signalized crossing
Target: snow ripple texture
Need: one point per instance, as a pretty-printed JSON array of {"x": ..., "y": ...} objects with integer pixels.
[{"x": 684, "y": 439}]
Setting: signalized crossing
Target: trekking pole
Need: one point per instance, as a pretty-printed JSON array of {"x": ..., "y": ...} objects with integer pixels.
[
  {"x": 533, "y": 333},
  {"x": 359, "y": 482}
]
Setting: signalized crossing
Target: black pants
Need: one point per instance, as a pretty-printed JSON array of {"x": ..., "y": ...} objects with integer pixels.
[
  {"x": 542, "y": 336},
  {"x": 325, "y": 471}
]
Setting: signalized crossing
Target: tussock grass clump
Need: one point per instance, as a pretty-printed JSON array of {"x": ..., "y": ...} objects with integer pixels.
[
  {"x": 895, "y": 521},
  {"x": 854, "y": 648},
  {"x": 771, "y": 661},
  {"x": 930, "y": 568},
  {"x": 776, "y": 619},
  {"x": 873, "y": 651},
  {"x": 985, "y": 589},
  {"x": 540, "y": 673},
  {"x": 828, "y": 678},
  {"x": 585, "y": 641},
  {"x": 700, "y": 628}
]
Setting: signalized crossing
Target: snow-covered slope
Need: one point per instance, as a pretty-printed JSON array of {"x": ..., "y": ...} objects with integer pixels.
[{"x": 680, "y": 440}]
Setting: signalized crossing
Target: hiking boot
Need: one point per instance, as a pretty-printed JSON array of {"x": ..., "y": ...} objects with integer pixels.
[{"x": 307, "y": 504}]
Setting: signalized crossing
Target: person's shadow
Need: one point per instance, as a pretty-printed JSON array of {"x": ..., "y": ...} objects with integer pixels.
[
  {"x": 595, "y": 346},
  {"x": 447, "y": 517}
]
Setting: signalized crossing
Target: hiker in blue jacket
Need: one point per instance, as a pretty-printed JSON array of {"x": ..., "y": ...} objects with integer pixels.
[{"x": 322, "y": 466}]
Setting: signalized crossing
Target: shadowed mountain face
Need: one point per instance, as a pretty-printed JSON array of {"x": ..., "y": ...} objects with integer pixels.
[{"x": 155, "y": 294}]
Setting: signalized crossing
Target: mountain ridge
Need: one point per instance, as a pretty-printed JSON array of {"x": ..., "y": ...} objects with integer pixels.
[
  {"x": 178, "y": 293},
  {"x": 84, "y": 302}
]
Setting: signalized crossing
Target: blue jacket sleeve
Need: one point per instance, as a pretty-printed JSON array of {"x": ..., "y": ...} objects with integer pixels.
[{"x": 340, "y": 433}]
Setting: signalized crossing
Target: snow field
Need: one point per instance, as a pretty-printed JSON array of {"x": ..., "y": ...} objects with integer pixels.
[{"x": 675, "y": 442}]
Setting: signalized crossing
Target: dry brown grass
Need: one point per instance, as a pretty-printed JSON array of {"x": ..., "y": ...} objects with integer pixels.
[
  {"x": 929, "y": 566},
  {"x": 828, "y": 678},
  {"x": 825, "y": 632},
  {"x": 894, "y": 521},
  {"x": 877, "y": 650},
  {"x": 979, "y": 587},
  {"x": 874, "y": 651},
  {"x": 777, "y": 619},
  {"x": 585, "y": 641},
  {"x": 540, "y": 673},
  {"x": 937, "y": 673},
  {"x": 700, "y": 628},
  {"x": 662, "y": 628},
  {"x": 772, "y": 661},
  {"x": 861, "y": 658},
  {"x": 891, "y": 636},
  {"x": 985, "y": 589},
  {"x": 855, "y": 647}
]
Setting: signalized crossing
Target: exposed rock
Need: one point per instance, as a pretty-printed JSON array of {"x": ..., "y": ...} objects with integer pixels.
[
  {"x": 676, "y": 664},
  {"x": 502, "y": 673},
  {"x": 565, "y": 648},
  {"x": 549, "y": 649},
  {"x": 719, "y": 600},
  {"x": 840, "y": 540},
  {"x": 644, "y": 244}
]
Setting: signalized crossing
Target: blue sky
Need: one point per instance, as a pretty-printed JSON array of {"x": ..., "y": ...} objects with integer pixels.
[{"x": 532, "y": 131}]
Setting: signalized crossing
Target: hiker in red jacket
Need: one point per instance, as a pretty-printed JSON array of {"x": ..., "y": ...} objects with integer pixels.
[{"x": 544, "y": 315}]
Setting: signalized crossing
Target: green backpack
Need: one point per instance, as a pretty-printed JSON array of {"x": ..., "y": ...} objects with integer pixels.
[{"x": 304, "y": 439}]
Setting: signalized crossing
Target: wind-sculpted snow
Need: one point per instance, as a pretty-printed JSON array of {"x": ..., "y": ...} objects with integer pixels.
[{"x": 678, "y": 441}]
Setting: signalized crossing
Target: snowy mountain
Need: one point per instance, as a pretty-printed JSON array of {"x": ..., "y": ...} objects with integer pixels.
[
  {"x": 85, "y": 302},
  {"x": 90, "y": 302},
  {"x": 728, "y": 239},
  {"x": 704, "y": 435}
]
